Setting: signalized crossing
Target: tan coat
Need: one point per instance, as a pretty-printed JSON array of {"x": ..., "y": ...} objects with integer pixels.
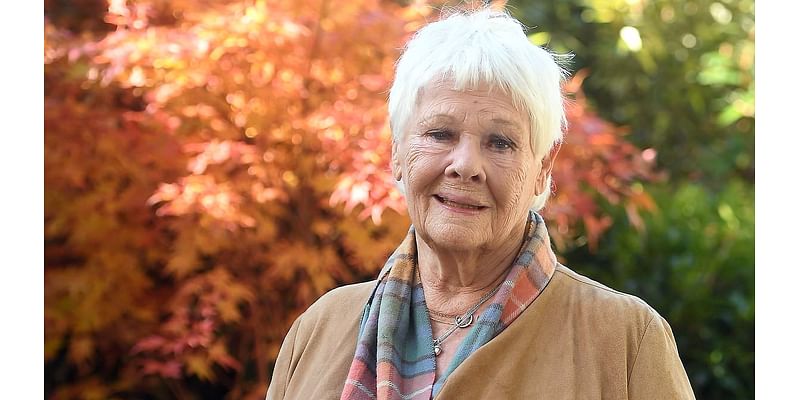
[{"x": 577, "y": 340}]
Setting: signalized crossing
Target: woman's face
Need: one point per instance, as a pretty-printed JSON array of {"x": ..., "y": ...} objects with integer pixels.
[{"x": 469, "y": 172}]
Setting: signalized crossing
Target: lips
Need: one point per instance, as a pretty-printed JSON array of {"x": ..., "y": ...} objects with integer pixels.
[{"x": 458, "y": 202}]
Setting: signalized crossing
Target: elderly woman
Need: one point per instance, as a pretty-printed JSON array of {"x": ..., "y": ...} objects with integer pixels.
[{"x": 473, "y": 304}]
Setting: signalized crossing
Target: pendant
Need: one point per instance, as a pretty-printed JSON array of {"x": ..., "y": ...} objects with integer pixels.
[
  {"x": 464, "y": 323},
  {"x": 437, "y": 350}
]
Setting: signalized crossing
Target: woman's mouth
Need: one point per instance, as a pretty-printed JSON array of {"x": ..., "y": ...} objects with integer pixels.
[{"x": 458, "y": 204}]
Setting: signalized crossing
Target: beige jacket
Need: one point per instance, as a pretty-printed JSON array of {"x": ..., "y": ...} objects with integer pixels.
[{"x": 577, "y": 340}]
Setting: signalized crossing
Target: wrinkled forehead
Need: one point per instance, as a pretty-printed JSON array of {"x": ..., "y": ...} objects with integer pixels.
[
  {"x": 446, "y": 83},
  {"x": 443, "y": 93}
]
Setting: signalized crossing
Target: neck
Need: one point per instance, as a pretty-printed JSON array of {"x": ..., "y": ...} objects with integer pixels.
[{"x": 453, "y": 281}]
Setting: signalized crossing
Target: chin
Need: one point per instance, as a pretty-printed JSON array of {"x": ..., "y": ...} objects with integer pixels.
[{"x": 455, "y": 236}]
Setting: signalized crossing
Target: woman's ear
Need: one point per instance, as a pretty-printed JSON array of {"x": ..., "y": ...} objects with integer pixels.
[
  {"x": 396, "y": 171},
  {"x": 547, "y": 168}
]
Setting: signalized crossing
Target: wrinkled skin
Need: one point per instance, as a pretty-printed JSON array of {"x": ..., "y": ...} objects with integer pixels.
[{"x": 471, "y": 147}]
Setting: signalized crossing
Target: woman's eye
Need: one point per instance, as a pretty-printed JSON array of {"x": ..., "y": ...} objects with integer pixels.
[
  {"x": 501, "y": 143},
  {"x": 440, "y": 135}
]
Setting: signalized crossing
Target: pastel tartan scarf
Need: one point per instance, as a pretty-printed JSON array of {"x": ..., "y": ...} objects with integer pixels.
[{"x": 394, "y": 356}]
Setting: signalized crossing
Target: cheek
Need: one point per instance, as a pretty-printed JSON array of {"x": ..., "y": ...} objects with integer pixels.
[
  {"x": 504, "y": 161},
  {"x": 514, "y": 186},
  {"x": 421, "y": 167}
]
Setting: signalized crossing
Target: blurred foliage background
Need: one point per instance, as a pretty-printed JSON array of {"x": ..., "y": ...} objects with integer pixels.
[{"x": 213, "y": 167}]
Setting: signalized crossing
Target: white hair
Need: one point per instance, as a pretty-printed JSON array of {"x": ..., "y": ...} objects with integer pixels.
[{"x": 484, "y": 46}]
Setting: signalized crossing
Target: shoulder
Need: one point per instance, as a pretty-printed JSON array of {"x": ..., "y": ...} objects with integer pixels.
[
  {"x": 343, "y": 297},
  {"x": 615, "y": 322},
  {"x": 344, "y": 303},
  {"x": 330, "y": 324},
  {"x": 315, "y": 356},
  {"x": 600, "y": 302}
]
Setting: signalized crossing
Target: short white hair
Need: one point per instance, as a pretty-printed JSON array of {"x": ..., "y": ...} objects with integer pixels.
[{"x": 484, "y": 46}]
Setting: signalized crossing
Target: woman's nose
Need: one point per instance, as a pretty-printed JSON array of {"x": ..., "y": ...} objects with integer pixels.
[{"x": 466, "y": 162}]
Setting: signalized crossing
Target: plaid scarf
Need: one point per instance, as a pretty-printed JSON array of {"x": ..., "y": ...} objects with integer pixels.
[{"x": 394, "y": 357}]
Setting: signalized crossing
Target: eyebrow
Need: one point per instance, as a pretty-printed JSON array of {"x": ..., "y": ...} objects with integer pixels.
[
  {"x": 515, "y": 127},
  {"x": 437, "y": 116},
  {"x": 502, "y": 121}
]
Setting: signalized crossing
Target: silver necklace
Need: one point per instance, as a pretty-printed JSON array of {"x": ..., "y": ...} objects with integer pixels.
[{"x": 462, "y": 321}]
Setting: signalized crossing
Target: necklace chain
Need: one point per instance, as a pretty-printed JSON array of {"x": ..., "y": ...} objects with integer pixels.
[
  {"x": 448, "y": 320},
  {"x": 461, "y": 321},
  {"x": 443, "y": 315}
]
